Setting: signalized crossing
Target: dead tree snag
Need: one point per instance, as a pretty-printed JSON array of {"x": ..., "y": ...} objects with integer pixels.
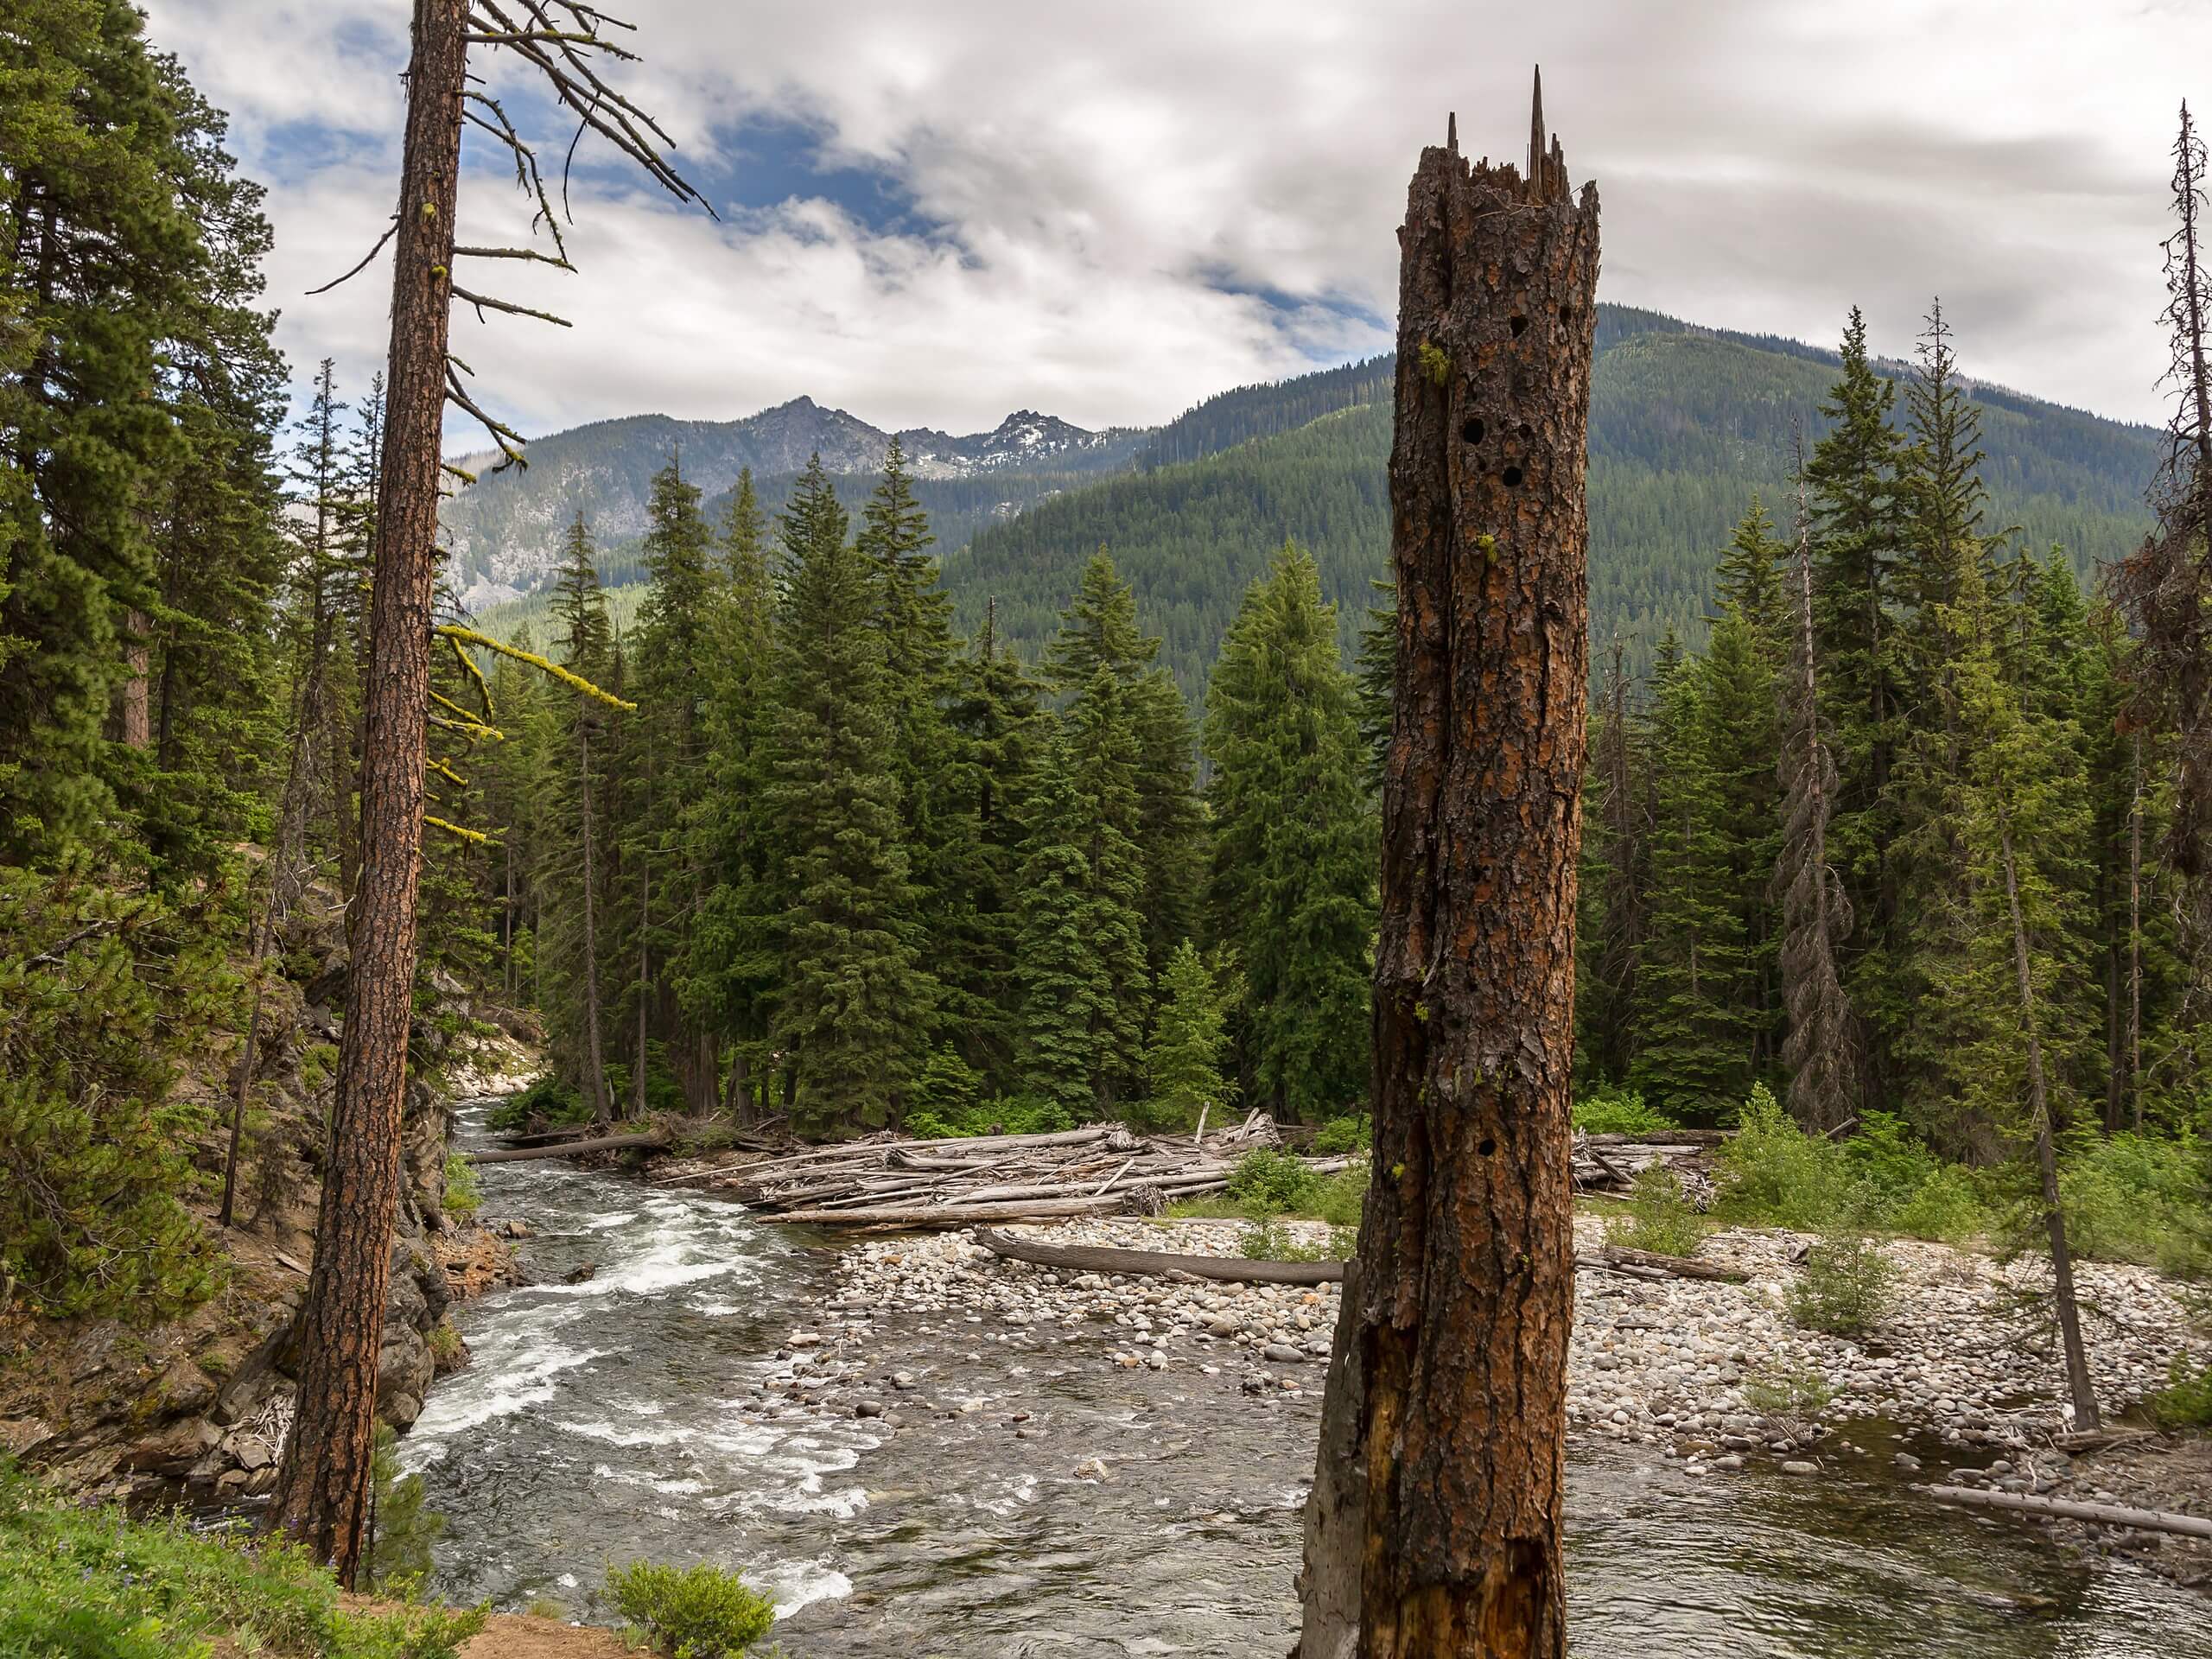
[{"x": 1465, "y": 1268}]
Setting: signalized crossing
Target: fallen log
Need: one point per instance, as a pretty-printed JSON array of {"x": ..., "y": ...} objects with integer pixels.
[
  {"x": 1682, "y": 1138},
  {"x": 1682, "y": 1267},
  {"x": 569, "y": 1149},
  {"x": 2065, "y": 1508},
  {"x": 1233, "y": 1269},
  {"x": 938, "y": 1215}
]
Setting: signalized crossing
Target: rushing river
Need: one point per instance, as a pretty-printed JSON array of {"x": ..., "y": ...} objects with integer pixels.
[{"x": 628, "y": 1416}]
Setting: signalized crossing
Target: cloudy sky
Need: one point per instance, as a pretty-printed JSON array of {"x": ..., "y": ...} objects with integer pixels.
[{"x": 932, "y": 213}]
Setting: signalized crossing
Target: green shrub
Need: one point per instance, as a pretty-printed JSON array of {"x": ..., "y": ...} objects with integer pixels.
[
  {"x": 2186, "y": 1401},
  {"x": 947, "y": 1089},
  {"x": 2141, "y": 1199},
  {"x": 549, "y": 1104},
  {"x": 1343, "y": 1134},
  {"x": 464, "y": 1189},
  {"x": 318, "y": 1064},
  {"x": 1270, "y": 1183},
  {"x": 1610, "y": 1109},
  {"x": 1660, "y": 1217},
  {"x": 1948, "y": 1207},
  {"x": 699, "y": 1612},
  {"x": 1773, "y": 1174},
  {"x": 396, "y": 1556},
  {"x": 1792, "y": 1394},
  {"x": 103, "y": 995},
  {"x": 94, "y": 1584},
  {"x": 1845, "y": 1286},
  {"x": 1001, "y": 1115}
]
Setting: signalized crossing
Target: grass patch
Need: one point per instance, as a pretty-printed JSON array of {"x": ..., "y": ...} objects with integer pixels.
[
  {"x": 2186, "y": 1401},
  {"x": 697, "y": 1612},
  {"x": 92, "y": 1584},
  {"x": 464, "y": 1188}
]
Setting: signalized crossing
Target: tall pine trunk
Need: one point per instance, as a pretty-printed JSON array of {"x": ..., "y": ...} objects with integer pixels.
[
  {"x": 2078, "y": 1385},
  {"x": 322, "y": 1489},
  {"x": 1466, "y": 1277}
]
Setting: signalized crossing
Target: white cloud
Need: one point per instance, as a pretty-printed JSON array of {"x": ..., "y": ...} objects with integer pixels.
[{"x": 1100, "y": 176}]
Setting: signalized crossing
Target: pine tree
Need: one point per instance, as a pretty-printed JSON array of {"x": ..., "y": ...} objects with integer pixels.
[
  {"x": 1294, "y": 853},
  {"x": 1821, "y": 1047},
  {"x": 1858, "y": 535},
  {"x": 996, "y": 731},
  {"x": 1079, "y": 955},
  {"x": 1694, "y": 1040},
  {"x": 573, "y": 948},
  {"x": 1749, "y": 582},
  {"x": 731, "y": 956},
  {"x": 674, "y": 653},
  {"x": 1183, "y": 1062},
  {"x": 854, "y": 1000},
  {"x": 1098, "y": 631},
  {"x": 1736, "y": 691},
  {"x": 1615, "y": 877}
]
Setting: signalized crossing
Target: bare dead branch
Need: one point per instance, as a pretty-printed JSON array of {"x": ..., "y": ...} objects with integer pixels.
[
  {"x": 531, "y": 254},
  {"x": 481, "y": 300},
  {"x": 389, "y": 232}
]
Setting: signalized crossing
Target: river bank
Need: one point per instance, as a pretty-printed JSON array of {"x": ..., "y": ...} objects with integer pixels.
[{"x": 1958, "y": 1382}]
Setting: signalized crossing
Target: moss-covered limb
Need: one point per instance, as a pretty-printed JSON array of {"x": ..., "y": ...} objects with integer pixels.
[
  {"x": 543, "y": 665},
  {"x": 463, "y": 721},
  {"x": 475, "y": 835},
  {"x": 468, "y": 666},
  {"x": 448, "y": 773}
]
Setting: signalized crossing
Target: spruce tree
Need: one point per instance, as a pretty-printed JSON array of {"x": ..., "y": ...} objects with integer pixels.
[
  {"x": 854, "y": 1000},
  {"x": 1613, "y": 891},
  {"x": 1749, "y": 582},
  {"x": 1694, "y": 1037},
  {"x": 1294, "y": 853},
  {"x": 1183, "y": 1062},
  {"x": 731, "y": 956}
]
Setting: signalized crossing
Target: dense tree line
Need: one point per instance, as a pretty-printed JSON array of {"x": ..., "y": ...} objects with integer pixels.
[
  {"x": 1807, "y": 842},
  {"x": 842, "y": 863}
]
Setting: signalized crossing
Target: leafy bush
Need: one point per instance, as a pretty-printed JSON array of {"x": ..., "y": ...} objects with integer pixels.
[
  {"x": 1773, "y": 1174},
  {"x": 2141, "y": 1199},
  {"x": 549, "y": 1104},
  {"x": 1948, "y": 1207},
  {"x": 699, "y": 1612},
  {"x": 92, "y": 1584},
  {"x": 1270, "y": 1183},
  {"x": 1343, "y": 1134},
  {"x": 1844, "y": 1287},
  {"x": 102, "y": 993},
  {"x": 1660, "y": 1216},
  {"x": 464, "y": 1188},
  {"x": 2186, "y": 1401},
  {"x": 1001, "y": 1115},
  {"x": 1613, "y": 1110},
  {"x": 947, "y": 1089}
]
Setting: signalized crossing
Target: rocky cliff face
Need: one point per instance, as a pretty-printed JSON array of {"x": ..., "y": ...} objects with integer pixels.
[{"x": 199, "y": 1406}]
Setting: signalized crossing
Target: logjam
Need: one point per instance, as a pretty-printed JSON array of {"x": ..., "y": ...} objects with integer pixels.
[
  {"x": 1229, "y": 1269},
  {"x": 1465, "y": 1271},
  {"x": 2065, "y": 1508},
  {"x": 889, "y": 1180}
]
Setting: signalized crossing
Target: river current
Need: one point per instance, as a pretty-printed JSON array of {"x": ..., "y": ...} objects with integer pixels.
[{"x": 630, "y": 1415}]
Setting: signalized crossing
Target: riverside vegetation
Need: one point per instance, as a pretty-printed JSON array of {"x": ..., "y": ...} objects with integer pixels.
[{"x": 815, "y": 860}]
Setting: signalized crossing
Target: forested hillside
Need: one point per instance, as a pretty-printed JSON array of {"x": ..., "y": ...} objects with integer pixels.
[{"x": 1686, "y": 425}]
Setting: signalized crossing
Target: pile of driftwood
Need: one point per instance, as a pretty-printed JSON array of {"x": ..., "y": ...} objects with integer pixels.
[
  {"x": 1610, "y": 1163},
  {"x": 888, "y": 1180}
]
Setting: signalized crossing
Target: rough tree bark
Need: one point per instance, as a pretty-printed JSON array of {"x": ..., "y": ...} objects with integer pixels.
[
  {"x": 1465, "y": 1271},
  {"x": 323, "y": 1486}
]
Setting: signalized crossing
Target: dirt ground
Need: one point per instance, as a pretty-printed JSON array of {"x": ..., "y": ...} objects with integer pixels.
[
  {"x": 2166, "y": 1473},
  {"x": 517, "y": 1636}
]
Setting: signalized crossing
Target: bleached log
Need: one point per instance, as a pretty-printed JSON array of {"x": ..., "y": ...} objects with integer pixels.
[{"x": 2066, "y": 1509}]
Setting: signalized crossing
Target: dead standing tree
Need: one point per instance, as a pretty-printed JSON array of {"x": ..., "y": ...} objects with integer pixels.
[
  {"x": 322, "y": 1490},
  {"x": 1465, "y": 1277}
]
